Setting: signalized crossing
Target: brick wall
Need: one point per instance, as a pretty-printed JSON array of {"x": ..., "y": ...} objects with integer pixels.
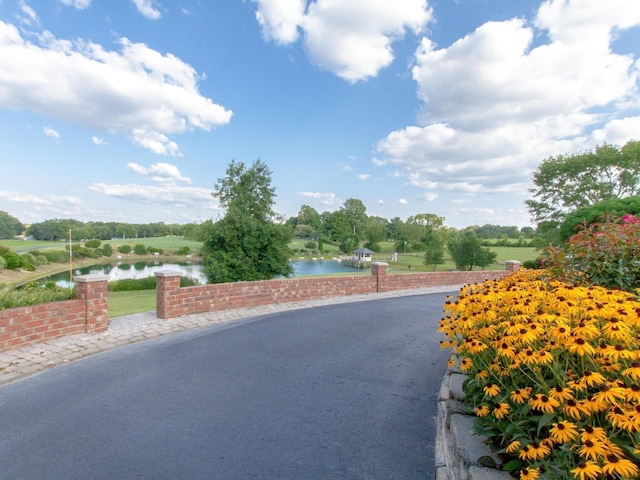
[
  {"x": 88, "y": 313},
  {"x": 85, "y": 314},
  {"x": 173, "y": 301}
]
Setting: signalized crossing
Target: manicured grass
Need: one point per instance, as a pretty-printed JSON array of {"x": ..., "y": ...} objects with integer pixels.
[{"x": 128, "y": 303}]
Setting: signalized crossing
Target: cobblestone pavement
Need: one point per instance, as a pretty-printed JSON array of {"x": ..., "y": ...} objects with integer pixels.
[{"x": 22, "y": 362}]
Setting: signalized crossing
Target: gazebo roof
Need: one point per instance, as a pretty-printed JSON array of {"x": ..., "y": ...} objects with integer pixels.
[{"x": 364, "y": 250}]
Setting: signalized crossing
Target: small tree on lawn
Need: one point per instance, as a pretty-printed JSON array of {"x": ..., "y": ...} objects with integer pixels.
[
  {"x": 248, "y": 243},
  {"x": 467, "y": 252}
]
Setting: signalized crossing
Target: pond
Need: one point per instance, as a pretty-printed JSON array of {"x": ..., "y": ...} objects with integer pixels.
[{"x": 125, "y": 270}]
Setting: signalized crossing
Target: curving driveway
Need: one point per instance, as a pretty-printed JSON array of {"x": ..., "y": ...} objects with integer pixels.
[{"x": 337, "y": 392}]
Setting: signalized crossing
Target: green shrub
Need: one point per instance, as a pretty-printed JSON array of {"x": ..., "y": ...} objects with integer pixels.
[
  {"x": 28, "y": 262},
  {"x": 605, "y": 253},
  {"x": 149, "y": 283},
  {"x": 56, "y": 256},
  {"x": 159, "y": 251},
  {"x": 34, "y": 294},
  {"x": 140, "y": 249},
  {"x": 124, "y": 249},
  {"x": 3, "y": 263},
  {"x": 95, "y": 243},
  {"x": 183, "y": 251},
  {"x": 107, "y": 250},
  {"x": 13, "y": 260}
]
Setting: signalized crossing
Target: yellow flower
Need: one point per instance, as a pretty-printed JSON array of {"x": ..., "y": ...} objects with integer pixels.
[
  {"x": 564, "y": 431},
  {"x": 501, "y": 411},
  {"x": 597, "y": 434},
  {"x": 529, "y": 473},
  {"x": 482, "y": 411},
  {"x": 513, "y": 447},
  {"x": 482, "y": 375},
  {"x": 543, "y": 403},
  {"x": 580, "y": 346},
  {"x": 521, "y": 395},
  {"x": 591, "y": 450},
  {"x": 538, "y": 450},
  {"x": 588, "y": 470},
  {"x": 491, "y": 390},
  {"x": 633, "y": 371},
  {"x": 572, "y": 409},
  {"x": 609, "y": 393},
  {"x": 466, "y": 364},
  {"x": 592, "y": 379},
  {"x": 451, "y": 363},
  {"x": 615, "y": 465},
  {"x": 561, "y": 394}
]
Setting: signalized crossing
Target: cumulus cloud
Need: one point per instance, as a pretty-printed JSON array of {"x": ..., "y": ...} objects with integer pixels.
[
  {"x": 159, "y": 172},
  {"x": 351, "y": 38},
  {"x": 27, "y": 15},
  {"x": 136, "y": 90},
  {"x": 51, "y": 133},
  {"x": 98, "y": 140},
  {"x": 327, "y": 199},
  {"x": 363, "y": 176},
  {"x": 79, "y": 4},
  {"x": 495, "y": 104},
  {"x": 146, "y": 8},
  {"x": 175, "y": 196}
]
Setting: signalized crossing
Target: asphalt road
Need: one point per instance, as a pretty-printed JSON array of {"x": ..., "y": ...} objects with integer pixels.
[{"x": 337, "y": 392}]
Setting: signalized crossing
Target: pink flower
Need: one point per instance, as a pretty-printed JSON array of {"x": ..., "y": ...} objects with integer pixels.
[{"x": 629, "y": 218}]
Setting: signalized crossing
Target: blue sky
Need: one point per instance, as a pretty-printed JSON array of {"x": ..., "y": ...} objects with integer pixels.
[{"x": 130, "y": 111}]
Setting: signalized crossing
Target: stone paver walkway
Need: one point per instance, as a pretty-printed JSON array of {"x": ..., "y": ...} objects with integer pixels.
[{"x": 22, "y": 362}]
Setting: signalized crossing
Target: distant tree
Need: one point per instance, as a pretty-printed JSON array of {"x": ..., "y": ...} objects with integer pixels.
[
  {"x": 247, "y": 243},
  {"x": 336, "y": 226},
  {"x": 566, "y": 183},
  {"x": 309, "y": 216},
  {"x": 376, "y": 231},
  {"x": 9, "y": 226},
  {"x": 467, "y": 252},
  {"x": 356, "y": 214},
  {"x": 585, "y": 216},
  {"x": 434, "y": 248}
]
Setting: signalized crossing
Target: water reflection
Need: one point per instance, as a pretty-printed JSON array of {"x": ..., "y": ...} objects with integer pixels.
[{"x": 125, "y": 270}]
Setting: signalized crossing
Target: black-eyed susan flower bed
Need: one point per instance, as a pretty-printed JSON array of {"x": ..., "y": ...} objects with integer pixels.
[{"x": 554, "y": 374}]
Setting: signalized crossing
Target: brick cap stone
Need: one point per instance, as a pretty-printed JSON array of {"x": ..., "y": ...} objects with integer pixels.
[
  {"x": 94, "y": 277},
  {"x": 168, "y": 273},
  {"x": 380, "y": 264}
]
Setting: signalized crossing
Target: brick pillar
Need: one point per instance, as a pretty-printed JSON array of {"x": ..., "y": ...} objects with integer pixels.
[
  {"x": 379, "y": 270},
  {"x": 167, "y": 284},
  {"x": 512, "y": 265},
  {"x": 93, "y": 291}
]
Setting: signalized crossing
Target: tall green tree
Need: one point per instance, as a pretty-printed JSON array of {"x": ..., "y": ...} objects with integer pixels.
[
  {"x": 9, "y": 226},
  {"x": 356, "y": 214},
  {"x": 568, "y": 182},
  {"x": 466, "y": 250},
  {"x": 250, "y": 242}
]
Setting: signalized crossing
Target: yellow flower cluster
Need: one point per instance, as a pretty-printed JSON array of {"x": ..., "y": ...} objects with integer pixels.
[{"x": 554, "y": 372}]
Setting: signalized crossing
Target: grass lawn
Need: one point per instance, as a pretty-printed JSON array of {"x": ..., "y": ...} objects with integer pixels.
[{"x": 128, "y": 303}]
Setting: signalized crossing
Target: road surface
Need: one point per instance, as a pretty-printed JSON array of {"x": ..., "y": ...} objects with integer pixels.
[{"x": 345, "y": 391}]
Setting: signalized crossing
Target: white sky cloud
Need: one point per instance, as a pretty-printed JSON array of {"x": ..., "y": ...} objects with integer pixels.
[
  {"x": 183, "y": 197},
  {"x": 351, "y": 38},
  {"x": 79, "y": 4},
  {"x": 137, "y": 90},
  {"x": 51, "y": 133},
  {"x": 159, "y": 172},
  {"x": 146, "y": 8},
  {"x": 98, "y": 140},
  {"x": 363, "y": 176},
  {"x": 495, "y": 105},
  {"x": 325, "y": 199}
]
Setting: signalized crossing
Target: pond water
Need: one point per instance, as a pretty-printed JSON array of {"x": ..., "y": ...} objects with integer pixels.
[{"x": 125, "y": 270}]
